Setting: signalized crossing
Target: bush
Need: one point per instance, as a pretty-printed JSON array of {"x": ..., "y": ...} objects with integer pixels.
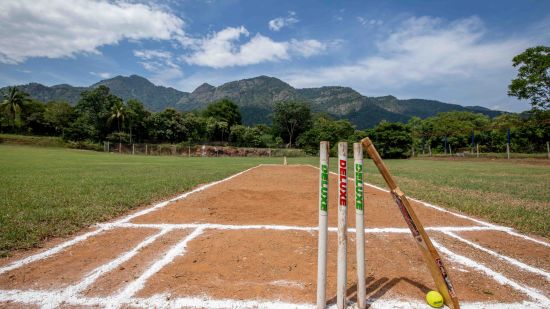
[{"x": 392, "y": 140}]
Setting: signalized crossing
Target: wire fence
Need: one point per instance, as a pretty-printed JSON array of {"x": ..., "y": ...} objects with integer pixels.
[
  {"x": 479, "y": 151},
  {"x": 198, "y": 150}
]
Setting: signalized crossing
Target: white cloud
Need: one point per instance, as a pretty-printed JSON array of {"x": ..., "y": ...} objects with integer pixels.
[
  {"x": 421, "y": 51},
  {"x": 280, "y": 22},
  {"x": 365, "y": 22},
  {"x": 103, "y": 75},
  {"x": 161, "y": 64},
  {"x": 223, "y": 49},
  {"x": 56, "y": 28},
  {"x": 307, "y": 48}
]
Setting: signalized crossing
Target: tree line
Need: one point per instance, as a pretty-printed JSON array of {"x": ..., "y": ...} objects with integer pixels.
[{"x": 101, "y": 116}]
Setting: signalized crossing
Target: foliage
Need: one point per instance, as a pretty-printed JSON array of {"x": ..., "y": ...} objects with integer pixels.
[
  {"x": 290, "y": 119},
  {"x": 325, "y": 129},
  {"x": 533, "y": 79},
  {"x": 12, "y": 105},
  {"x": 393, "y": 140}
]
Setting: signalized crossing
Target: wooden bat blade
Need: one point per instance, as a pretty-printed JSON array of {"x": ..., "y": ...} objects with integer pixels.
[{"x": 433, "y": 260}]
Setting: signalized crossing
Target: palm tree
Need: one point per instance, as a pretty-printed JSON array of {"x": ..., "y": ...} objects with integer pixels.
[
  {"x": 13, "y": 102},
  {"x": 118, "y": 112}
]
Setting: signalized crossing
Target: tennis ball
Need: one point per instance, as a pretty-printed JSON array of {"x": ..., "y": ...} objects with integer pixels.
[{"x": 434, "y": 299}]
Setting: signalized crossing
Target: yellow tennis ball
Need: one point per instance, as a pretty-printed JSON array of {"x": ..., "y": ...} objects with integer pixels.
[{"x": 434, "y": 299}]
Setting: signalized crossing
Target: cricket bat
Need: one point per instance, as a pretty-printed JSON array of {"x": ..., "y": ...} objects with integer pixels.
[{"x": 432, "y": 258}]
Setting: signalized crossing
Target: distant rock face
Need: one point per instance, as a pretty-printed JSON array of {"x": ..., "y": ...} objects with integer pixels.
[{"x": 256, "y": 97}]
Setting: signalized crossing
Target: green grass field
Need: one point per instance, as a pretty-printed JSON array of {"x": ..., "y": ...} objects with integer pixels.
[
  {"x": 514, "y": 193},
  {"x": 50, "y": 192}
]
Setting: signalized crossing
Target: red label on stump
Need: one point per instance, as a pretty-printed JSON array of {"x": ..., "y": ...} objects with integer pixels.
[{"x": 343, "y": 183}]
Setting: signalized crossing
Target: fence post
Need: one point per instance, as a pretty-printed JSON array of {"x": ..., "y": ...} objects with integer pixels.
[
  {"x": 508, "y": 151},
  {"x": 477, "y": 150},
  {"x": 108, "y": 147},
  {"x": 430, "y": 149},
  {"x": 119, "y": 147},
  {"x": 450, "y": 150},
  {"x": 133, "y": 149},
  {"x": 189, "y": 151},
  {"x": 145, "y": 149}
]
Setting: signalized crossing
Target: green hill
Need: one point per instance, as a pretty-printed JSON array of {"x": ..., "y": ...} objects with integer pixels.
[{"x": 256, "y": 97}]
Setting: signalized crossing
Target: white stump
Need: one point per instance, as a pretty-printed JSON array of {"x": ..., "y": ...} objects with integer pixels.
[
  {"x": 342, "y": 225},
  {"x": 359, "y": 224},
  {"x": 323, "y": 225}
]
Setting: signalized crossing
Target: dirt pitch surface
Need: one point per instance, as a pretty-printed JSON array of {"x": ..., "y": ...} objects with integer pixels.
[{"x": 250, "y": 241}]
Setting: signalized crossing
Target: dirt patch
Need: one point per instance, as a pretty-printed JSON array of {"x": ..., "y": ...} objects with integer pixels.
[
  {"x": 274, "y": 265},
  {"x": 512, "y": 272},
  {"x": 286, "y": 195},
  {"x": 515, "y": 247},
  {"x": 14, "y": 305},
  {"x": 47, "y": 244},
  {"x": 115, "y": 280},
  {"x": 71, "y": 265}
]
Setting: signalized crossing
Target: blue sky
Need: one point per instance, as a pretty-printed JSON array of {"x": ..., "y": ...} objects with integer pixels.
[{"x": 453, "y": 51}]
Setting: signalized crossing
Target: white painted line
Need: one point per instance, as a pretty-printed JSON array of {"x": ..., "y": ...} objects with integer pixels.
[
  {"x": 133, "y": 287},
  {"x": 104, "y": 227},
  {"x": 52, "y": 251},
  {"x": 162, "y": 301},
  {"x": 93, "y": 275},
  {"x": 295, "y": 228},
  {"x": 498, "y": 277},
  {"x": 500, "y": 256}
]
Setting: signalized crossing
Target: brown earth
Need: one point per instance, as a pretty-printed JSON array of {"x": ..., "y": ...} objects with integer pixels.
[
  {"x": 69, "y": 266},
  {"x": 500, "y": 266},
  {"x": 133, "y": 268},
  {"x": 263, "y": 264},
  {"x": 287, "y": 195},
  {"x": 515, "y": 247}
]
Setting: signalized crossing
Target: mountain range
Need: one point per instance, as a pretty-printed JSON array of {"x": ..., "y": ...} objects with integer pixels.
[{"x": 256, "y": 97}]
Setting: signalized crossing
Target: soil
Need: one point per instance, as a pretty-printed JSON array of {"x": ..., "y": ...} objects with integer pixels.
[
  {"x": 282, "y": 265},
  {"x": 287, "y": 195},
  {"x": 515, "y": 247},
  {"x": 70, "y": 266}
]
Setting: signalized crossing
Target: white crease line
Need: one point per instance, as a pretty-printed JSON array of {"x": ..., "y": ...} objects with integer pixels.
[
  {"x": 52, "y": 251},
  {"x": 133, "y": 287},
  {"x": 296, "y": 228},
  {"x": 161, "y": 301},
  {"x": 500, "y": 256},
  {"x": 498, "y": 277},
  {"x": 506, "y": 229},
  {"x": 105, "y": 268},
  {"x": 104, "y": 227}
]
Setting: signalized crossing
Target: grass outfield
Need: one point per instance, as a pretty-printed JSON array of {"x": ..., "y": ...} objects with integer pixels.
[
  {"x": 514, "y": 193},
  {"x": 49, "y": 192}
]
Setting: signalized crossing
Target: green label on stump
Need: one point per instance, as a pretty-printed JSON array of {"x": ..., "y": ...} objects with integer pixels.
[
  {"x": 324, "y": 187},
  {"x": 359, "y": 186}
]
